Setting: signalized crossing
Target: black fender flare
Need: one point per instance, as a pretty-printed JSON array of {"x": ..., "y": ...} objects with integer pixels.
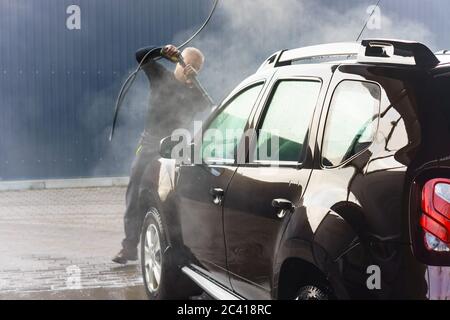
[
  {"x": 156, "y": 189},
  {"x": 328, "y": 240}
]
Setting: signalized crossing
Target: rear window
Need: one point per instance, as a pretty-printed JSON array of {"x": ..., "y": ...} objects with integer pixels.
[{"x": 351, "y": 122}]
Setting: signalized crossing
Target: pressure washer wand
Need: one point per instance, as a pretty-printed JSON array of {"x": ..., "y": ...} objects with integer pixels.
[{"x": 194, "y": 80}]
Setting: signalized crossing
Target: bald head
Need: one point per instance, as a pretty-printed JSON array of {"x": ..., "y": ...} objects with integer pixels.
[{"x": 192, "y": 57}]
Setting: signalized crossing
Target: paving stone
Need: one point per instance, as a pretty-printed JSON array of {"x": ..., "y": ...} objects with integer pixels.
[{"x": 45, "y": 232}]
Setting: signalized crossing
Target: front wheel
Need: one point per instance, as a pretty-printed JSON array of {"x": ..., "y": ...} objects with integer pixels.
[{"x": 162, "y": 277}]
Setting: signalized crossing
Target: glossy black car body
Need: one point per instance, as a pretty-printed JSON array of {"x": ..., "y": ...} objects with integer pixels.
[{"x": 226, "y": 229}]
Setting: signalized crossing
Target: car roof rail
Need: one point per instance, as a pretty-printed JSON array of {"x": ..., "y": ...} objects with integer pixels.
[
  {"x": 384, "y": 51},
  {"x": 272, "y": 61},
  {"x": 287, "y": 57}
]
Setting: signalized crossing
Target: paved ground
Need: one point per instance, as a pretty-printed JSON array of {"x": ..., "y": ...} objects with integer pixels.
[{"x": 58, "y": 244}]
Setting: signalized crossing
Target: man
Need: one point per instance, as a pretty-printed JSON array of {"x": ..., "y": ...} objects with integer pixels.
[{"x": 174, "y": 101}]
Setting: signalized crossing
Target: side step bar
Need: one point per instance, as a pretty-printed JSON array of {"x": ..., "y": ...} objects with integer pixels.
[{"x": 216, "y": 291}]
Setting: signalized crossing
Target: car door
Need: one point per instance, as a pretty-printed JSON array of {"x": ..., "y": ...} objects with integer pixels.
[
  {"x": 200, "y": 187},
  {"x": 256, "y": 208}
]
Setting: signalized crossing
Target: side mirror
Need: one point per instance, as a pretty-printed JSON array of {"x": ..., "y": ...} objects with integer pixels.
[{"x": 182, "y": 154}]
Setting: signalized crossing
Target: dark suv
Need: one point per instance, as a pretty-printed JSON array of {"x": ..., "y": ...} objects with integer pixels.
[{"x": 355, "y": 204}]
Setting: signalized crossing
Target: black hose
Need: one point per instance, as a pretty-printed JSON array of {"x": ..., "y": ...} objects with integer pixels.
[{"x": 202, "y": 27}]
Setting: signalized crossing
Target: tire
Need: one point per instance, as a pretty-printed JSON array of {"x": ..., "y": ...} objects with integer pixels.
[
  {"x": 163, "y": 280},
  {"x": 312, "y": 293}
]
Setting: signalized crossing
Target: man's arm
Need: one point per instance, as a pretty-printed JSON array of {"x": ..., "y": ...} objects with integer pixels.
[
  {"x": 152, "y": 69},
  {"x": 152, "y": 53}
]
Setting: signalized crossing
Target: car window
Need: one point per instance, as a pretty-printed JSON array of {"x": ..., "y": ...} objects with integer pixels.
[
  {"x": 223, "y": 135},
  {"x": 284, "y": 129},
  {"x": 351, "y": 121}
]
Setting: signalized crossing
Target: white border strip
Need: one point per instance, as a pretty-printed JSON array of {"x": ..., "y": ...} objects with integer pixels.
[{"x": 63, "y": 183}]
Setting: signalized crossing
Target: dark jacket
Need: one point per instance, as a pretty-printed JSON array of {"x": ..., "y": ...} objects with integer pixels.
[{"x": 173, "y": 104}]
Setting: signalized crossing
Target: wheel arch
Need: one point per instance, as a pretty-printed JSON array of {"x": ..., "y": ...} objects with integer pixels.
[
  {"x": 298, "y": 267},
  {"x": 156, "y": 190},
  {"x": 318, "y": 254}
]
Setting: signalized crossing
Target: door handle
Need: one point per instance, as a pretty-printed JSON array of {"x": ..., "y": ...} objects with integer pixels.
[
  {"x": 283, "y": 207},
  {"x": 217, "y": 194}
]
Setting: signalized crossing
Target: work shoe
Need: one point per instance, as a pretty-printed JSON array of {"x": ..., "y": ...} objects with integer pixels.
[{"x": 125, "y": 255}]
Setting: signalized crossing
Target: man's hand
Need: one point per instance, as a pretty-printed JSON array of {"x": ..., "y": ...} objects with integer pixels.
[
  {"x": 171, "y": 52},
  {"x": 189, "y": 73}
]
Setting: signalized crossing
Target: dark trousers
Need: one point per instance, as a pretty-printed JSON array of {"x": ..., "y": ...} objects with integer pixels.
[{"x": 134, "y": 217}]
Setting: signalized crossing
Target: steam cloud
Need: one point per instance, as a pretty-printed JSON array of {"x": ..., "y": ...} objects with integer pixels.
[{"x": 244, "y": 33}]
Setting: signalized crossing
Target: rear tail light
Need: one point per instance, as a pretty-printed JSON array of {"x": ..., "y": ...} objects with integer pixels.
[{"x": 435, "y": 219}]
